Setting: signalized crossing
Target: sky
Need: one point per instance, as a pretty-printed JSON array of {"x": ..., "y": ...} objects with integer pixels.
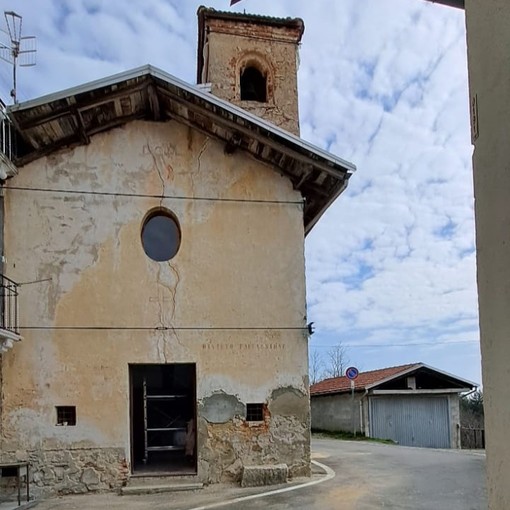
[{"x": 390, "y": 267}]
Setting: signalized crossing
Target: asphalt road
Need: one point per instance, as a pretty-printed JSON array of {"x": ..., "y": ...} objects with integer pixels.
[
  {"x": 369, "y": 476},
  {"x": 372, "y": 476}
]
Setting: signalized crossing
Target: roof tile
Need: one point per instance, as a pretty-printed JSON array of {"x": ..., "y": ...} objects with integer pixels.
[{"x": 364, "y": 379}]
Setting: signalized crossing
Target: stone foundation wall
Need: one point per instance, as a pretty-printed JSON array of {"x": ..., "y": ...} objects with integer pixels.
[
  {"x": 227, "y": 442},
  {"x": 233, "y": 445},
  {"x": 73, "y": 471}
]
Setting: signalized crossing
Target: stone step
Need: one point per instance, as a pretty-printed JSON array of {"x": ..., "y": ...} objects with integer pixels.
[
  {"x": 161, "y": 479},
  {"x": 132, "y": 490}
]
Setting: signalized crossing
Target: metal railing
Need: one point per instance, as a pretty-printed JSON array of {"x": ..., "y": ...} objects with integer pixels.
[
  {"x": 7, "y": 145},
  {"x": 9, "y": 305},
  {"x": 472, "y": 438}
]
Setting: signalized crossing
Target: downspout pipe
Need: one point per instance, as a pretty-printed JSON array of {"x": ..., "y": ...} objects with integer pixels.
[
  {"x": 470, "y": 392},
  {"x": 361, "y": 415}
]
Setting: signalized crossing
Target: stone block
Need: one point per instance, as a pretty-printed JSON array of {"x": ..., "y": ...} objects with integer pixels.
[
  {"x": 256, "y": 476},
  {"x": 90, "y": 478}
]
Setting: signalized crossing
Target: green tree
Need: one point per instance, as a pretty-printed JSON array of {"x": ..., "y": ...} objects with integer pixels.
[{"x": 471, "y": 410}]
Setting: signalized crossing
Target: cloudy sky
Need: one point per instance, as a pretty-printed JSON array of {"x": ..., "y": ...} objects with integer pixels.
[{"x": 383, "y": 83}]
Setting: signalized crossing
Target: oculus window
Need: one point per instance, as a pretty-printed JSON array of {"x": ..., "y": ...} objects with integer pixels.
[{"x": 161, "y": 236}]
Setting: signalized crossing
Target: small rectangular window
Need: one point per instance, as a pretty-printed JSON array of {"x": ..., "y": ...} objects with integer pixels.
[
  {"x": 254, "y": 412},
  {"x": 66, "y": 415},
  {"x": 8, "y": 471}
]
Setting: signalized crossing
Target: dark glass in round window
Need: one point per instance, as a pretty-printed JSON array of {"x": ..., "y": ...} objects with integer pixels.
[{"x": 161, "y": 236}]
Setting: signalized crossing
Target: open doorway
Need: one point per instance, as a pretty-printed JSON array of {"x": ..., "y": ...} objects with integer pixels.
[{"x": 163, "y": 418}]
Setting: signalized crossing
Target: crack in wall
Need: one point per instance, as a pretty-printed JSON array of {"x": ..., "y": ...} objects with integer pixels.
[
  {"x": 158, "y": 170},
  {"x": 161, "y": 342},
  {"x": 199, "y": 165},
  {"x": 161, "y": 338},
  {"x": 174, "y": 300},
  {"x": 172, "y": 290}
]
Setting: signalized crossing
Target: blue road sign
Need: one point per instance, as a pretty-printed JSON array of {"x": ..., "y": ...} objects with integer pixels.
[{"x": 351, "y": 373}]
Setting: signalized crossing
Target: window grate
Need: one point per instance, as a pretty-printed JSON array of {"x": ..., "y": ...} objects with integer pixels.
[
  {"x": 8, "y": 305},
  {"x": 254, "y": 412},
  {"x": 66, "y": 415}
]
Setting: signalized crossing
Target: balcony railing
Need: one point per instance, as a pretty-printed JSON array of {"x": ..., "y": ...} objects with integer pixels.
[
  {"x": 7, "y": 139},
  {"x": 9, "y": 305}
]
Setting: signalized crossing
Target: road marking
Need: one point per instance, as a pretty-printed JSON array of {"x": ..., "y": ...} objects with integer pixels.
[{"x": 329, "y": 475}]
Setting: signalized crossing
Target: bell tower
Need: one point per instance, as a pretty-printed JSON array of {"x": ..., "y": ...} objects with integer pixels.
[{"x": 251, "y": 61}]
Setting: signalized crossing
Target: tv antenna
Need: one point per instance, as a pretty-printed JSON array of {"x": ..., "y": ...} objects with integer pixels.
[{"x": 16, "y": 50}]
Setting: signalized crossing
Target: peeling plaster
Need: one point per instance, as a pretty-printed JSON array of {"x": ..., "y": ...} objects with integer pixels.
[
  {"x": 221, "y": 408},
  {"x": 290, "y": 401},
  {"x": 225, "y": 274}
]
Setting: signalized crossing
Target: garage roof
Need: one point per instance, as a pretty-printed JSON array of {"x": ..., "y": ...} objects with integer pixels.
[{"x": 372, "y": 379}]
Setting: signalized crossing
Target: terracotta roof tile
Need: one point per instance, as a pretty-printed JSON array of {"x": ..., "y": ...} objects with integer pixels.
[
  {"x": 364, "y": 379},
  {"x": 251, "y": 18}
]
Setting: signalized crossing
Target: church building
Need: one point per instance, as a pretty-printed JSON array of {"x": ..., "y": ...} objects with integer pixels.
[{"x": 153, "y": 315}]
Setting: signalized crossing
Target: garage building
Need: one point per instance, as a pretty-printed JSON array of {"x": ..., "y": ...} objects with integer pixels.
[{"x": 414, "y": 405}]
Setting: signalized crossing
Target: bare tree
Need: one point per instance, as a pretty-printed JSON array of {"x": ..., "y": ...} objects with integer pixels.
[
  {"x": 337, "y": 361},
  {"x": 315, "y": 366}
]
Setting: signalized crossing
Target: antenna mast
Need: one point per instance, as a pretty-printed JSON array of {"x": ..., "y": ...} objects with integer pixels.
[{"x": 16, "y": 50}]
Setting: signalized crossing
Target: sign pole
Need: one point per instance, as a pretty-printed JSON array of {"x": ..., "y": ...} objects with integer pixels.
[
  {"x": 351, "y": 373},
  {"x": 352, "y": 409}
]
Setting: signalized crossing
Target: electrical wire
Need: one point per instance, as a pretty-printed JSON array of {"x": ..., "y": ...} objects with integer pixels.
[
  {"x": 161, "y": 196},
  {"x": 409, "y": 344},
  {"x": 236, "y": 328},
  {"x": 156, "y": 328}
]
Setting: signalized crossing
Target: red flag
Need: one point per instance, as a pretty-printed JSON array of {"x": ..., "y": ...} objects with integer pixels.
[{"x": 232, "y": 2}]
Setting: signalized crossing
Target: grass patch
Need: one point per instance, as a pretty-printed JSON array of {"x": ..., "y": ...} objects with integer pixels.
[{"x": 326, "y": 434}]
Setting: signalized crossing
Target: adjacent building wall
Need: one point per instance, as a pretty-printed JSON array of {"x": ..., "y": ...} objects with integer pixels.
[
  {"x": 335, "y": 412},
  {"x": 240, "y": 265},
  {"x": 488, "y": 37}
]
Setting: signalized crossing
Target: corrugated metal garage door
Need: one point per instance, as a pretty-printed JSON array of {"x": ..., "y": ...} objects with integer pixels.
[{"x": 411, "y": 421}]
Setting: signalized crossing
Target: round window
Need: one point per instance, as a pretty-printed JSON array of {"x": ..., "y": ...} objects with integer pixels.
[{"x": 161, "y": 236}]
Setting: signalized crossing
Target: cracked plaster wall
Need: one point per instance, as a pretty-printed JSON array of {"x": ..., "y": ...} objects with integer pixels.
[{"x": 239, "y": 265}]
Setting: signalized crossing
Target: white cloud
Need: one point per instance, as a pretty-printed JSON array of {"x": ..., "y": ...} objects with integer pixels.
[{"x": 383, "y": 83}]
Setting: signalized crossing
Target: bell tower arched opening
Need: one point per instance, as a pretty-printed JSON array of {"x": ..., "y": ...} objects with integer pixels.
[
  {"x": 253, "y": 85},
  {"x": 251, "y": 62}
]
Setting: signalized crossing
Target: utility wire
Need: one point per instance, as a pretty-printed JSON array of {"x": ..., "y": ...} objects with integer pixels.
[
  {"x": 410, "y": 344},
  {"x": 160, "y": 196},
  {"x": 157, "y": 328},
  {"x": 235, "y": 328}
]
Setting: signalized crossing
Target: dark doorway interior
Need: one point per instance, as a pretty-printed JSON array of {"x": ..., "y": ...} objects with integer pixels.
[{"x": 163, "y": 418}]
